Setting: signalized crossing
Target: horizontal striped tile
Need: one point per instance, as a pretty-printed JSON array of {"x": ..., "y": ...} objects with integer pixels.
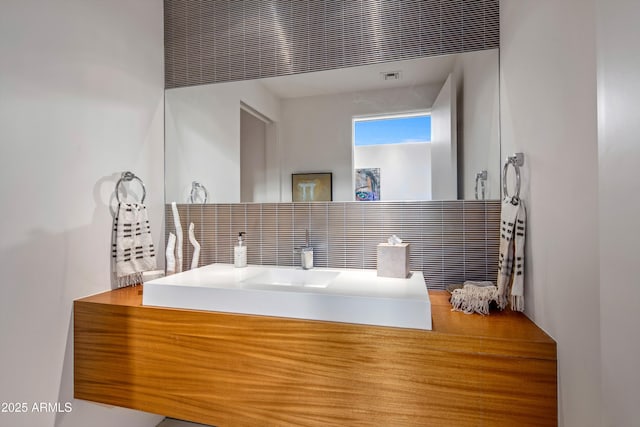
[{"x": 450, "y": 241}]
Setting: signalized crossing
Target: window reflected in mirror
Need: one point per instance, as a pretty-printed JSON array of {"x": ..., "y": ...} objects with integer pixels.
[{"x": 391, "y": 156}]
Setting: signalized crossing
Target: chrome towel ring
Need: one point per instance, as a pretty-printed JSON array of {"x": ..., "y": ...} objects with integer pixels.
[
  {"x": 128, "y": 177},
  {"x": 516, "y": 161},
  {"x": 196, "y": 189}
]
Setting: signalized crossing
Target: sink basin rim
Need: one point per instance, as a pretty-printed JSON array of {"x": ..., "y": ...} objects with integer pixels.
[{"x": 353, "y": 296}]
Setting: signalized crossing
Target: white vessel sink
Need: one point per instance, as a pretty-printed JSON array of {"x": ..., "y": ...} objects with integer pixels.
[
  {"x": 338, "y": 295},
  {"x": 292, "y": 277}
]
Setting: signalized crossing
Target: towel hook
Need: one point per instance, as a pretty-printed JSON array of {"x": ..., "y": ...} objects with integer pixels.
[
  {"x": 516, "y": 161},
  {"x": 128, "y": 177},
  {"x": 196, "y": 188}
]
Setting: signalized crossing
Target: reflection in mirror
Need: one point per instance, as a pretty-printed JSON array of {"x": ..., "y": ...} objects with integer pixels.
[
  {"x": 399, "y": 146},
  {"x": 199, "y": 193},
  {"x": 244, "y": 140}
]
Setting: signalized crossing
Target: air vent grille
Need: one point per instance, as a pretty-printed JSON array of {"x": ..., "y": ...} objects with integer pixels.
[{"x": 390, "y": 75}]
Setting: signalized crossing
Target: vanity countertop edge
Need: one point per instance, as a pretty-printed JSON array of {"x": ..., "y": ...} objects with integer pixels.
[{"x": 506, "y": 328}]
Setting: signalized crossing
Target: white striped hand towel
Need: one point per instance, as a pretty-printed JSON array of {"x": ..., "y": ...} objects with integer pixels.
[
  {"x": 511, "y": 280},
  {"x": 133, "y": 249}
]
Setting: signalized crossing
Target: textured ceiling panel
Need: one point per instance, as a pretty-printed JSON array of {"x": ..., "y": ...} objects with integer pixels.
[{"x": 209, "y": 41}]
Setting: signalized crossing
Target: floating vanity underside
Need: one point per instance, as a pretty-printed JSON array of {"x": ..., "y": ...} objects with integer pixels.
[{"x": 235, "y": 370}]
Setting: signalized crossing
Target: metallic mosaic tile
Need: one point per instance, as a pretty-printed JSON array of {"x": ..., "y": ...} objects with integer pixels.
[
  {"x": 210, "y": 41},
  {"x": 450, "y": 241}
]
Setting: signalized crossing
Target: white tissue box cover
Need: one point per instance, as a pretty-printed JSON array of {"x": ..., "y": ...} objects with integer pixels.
[{"x": 393, "y": 260}]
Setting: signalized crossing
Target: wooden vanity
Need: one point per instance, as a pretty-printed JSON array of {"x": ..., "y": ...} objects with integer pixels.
[{"x": 242, "y": 370}]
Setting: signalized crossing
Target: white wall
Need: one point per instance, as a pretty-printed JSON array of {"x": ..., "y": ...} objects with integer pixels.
[
  {"x": 444, "y": 146},
  {"x": 478, "y": 105},
  {"x": 619, "y": 175},
  {"x": 81, "y": 100},
  {"x": 253, "y": 166},
  {"x": 203, "y": 137},
  {"x": 316, "y": 135},
  {"x": 405, "y": 169},
  {"x": 548, "y": 105}
]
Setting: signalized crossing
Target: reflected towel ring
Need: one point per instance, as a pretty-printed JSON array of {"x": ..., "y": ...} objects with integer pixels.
[
  {"x": 481, "y": 177},
  {"x": 196, "y": 188},
  {"x": 516, "y": 161},
  {"x": 127, "y": 177}
]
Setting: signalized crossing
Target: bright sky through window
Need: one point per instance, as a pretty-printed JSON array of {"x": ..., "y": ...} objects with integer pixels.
[{"x": 392, "y": 130}]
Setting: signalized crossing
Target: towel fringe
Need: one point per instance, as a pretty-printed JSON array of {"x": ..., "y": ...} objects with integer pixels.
[
  {"x": 473, "y": 299},
  {"x": 501, "y": 300},
  {"x": 129, "y": 280},
  {"x": 517, "y": 302},
  {"x": 476, "y": 299}
]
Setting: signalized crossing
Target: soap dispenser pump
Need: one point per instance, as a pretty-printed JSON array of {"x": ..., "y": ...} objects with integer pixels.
[{"x": 240, "y": 251}]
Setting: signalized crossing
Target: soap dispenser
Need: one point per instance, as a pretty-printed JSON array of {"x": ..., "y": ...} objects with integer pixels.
[{"x": 240, "y": 251}]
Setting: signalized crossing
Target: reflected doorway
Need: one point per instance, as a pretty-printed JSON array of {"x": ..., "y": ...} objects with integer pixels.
[{"x": 257, "y": 142}]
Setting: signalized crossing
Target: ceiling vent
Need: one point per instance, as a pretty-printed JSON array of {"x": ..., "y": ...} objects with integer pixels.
[{"x": 390, "y": 75}]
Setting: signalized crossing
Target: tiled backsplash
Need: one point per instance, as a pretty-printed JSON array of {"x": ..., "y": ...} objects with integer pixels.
[{"x": 451, "y": 241}]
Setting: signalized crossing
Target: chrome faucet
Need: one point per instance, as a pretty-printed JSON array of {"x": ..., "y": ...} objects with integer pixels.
[{"x": 306, "y": 253}]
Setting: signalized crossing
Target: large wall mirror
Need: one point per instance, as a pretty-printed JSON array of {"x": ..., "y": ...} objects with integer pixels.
[{"x": 243, "y": 141}]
